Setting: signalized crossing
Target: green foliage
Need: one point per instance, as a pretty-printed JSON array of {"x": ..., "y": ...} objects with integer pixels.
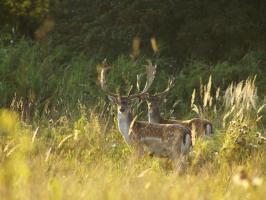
[
  {"x": 216, "y": 30},
  {"x": 36, "y": 76},
  {"x": 21, "y": 18},
  {"x": 36, "y": 79}
]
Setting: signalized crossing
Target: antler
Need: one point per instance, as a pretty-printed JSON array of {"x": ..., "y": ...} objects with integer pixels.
[
  {"x": 150, "y": 72},
  {"x": 169, "y": 86},
  {"x": 105, "y": 68}
]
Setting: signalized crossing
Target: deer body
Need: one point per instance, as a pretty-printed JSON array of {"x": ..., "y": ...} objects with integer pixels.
[
  {"x": 172, "y": 141},
  {"x": 159, "y": 140},
  {"x": 162, "y": 139},
  {"x": 200, "y": 127}
]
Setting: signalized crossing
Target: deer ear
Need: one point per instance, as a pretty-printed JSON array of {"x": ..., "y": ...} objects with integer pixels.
[{"x": 112, "y": 99}]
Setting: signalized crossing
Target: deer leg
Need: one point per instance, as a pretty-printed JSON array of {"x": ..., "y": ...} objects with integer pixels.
[
  {"x": 139, "y": 150},
  {"x": 178, "y": 166},
  {"x": 180, "y": 154},
  {"x": 176, "y": 151}
]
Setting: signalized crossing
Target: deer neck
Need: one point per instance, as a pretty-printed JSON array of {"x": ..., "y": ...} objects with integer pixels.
[
  {"x": 124, "y": 121},
  {"x": 154, "y": 115}
]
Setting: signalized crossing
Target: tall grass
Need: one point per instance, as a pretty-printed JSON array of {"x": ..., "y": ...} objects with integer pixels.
[
  {"x": 236, "y": 113},
  {"x": 82, "y": 159}
]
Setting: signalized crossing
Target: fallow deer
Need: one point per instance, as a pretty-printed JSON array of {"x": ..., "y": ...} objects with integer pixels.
[
  {"x": 200, "y": 127},
  {"x": 171, "y": 141}
]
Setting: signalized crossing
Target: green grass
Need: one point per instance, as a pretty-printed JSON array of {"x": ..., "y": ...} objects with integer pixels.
[{"x": 52, "y": 78}]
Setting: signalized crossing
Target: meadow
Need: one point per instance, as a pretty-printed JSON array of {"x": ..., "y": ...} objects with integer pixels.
[
  {"x": 59, "y": 137},
  {"x": 81, "y": 154}
]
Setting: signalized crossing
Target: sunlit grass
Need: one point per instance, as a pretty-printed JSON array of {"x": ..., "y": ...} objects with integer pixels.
[{"x": 82, "y": 159}]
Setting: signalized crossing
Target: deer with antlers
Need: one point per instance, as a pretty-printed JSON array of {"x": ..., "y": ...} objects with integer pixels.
[
  {"x": 163, "y": 140},
  {"x": 200, "y": 127}
]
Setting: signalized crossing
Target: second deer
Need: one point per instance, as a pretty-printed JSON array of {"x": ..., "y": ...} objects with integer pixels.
[{"x": 200, "y": 127}]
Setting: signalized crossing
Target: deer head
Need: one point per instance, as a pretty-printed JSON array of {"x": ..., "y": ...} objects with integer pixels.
[
  {"x": 154, "y": 99},
  {"x": 124, "y": 102}
]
